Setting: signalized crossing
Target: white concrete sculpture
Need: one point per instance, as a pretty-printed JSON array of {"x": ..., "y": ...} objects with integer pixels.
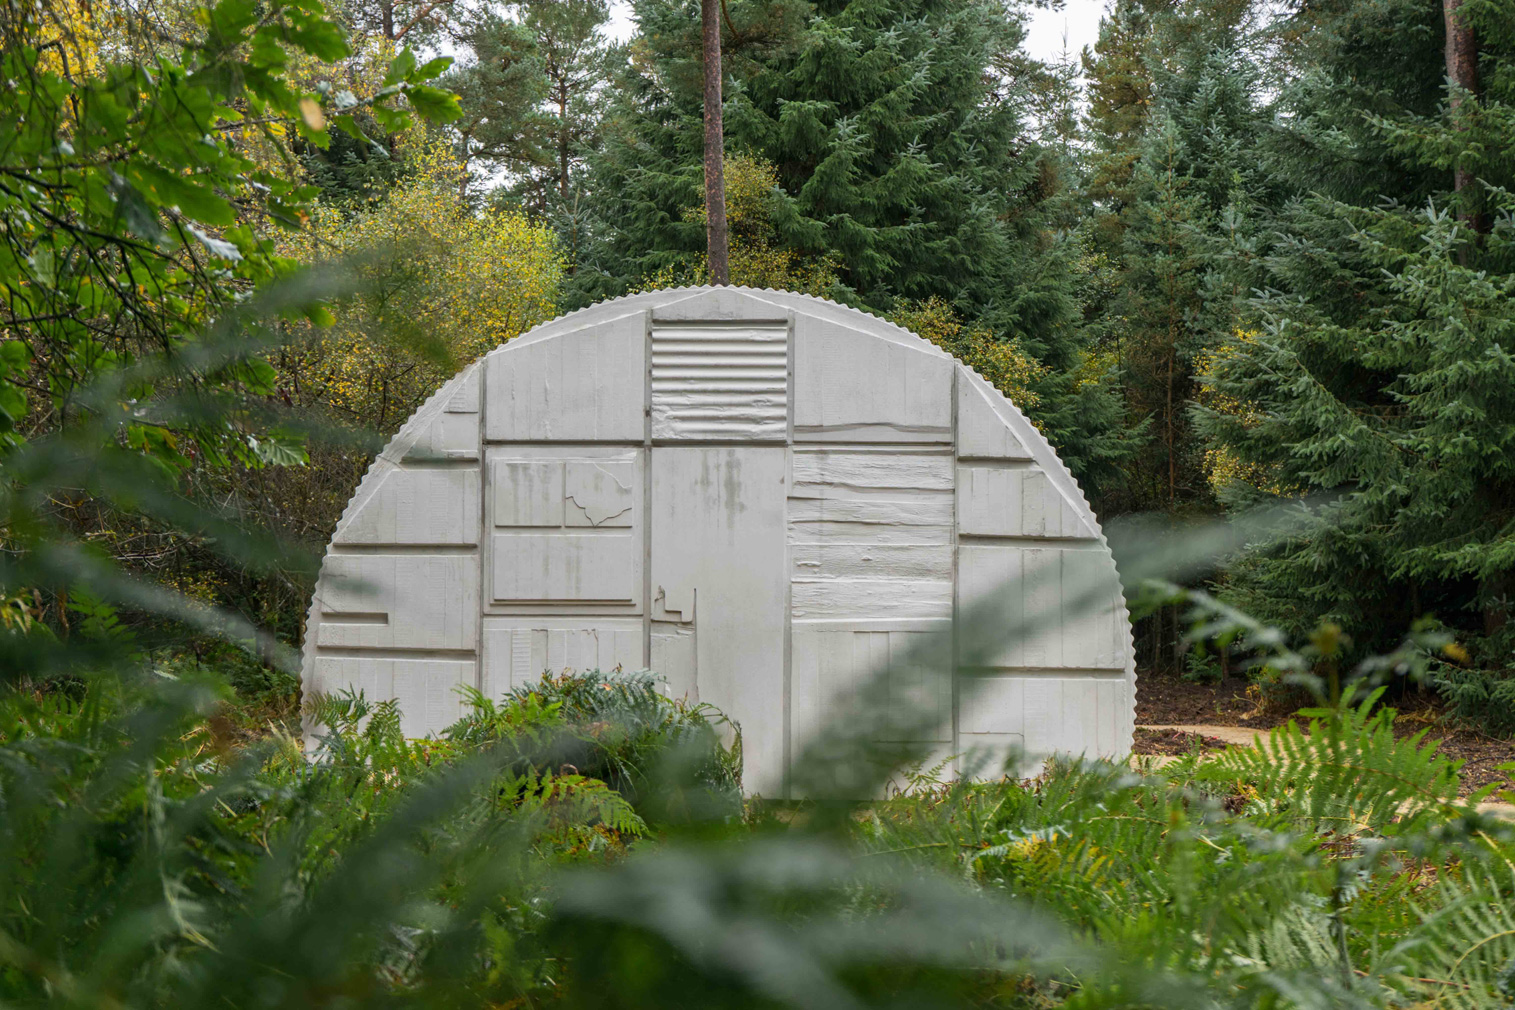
[{"x": 760, "y": 495}]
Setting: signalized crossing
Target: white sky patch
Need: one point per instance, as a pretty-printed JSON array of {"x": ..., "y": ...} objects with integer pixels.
[{"x": 1050, "y": 33}]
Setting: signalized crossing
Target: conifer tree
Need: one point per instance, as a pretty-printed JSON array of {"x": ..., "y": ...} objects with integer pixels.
[
  {"x": 1382, "y": 381},
  {"x": 501, "y": 91},
  {"x": 532, "y": 96},
  {"x": 1177, "y": 118},
  {"x": 902, "y": 157}
]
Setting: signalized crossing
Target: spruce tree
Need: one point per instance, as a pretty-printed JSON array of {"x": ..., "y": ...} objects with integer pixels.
[
  {"x": 1383, "y": 382},
  {"x": 1177, "y": 117},
  {"x": 902, "y": 157}
]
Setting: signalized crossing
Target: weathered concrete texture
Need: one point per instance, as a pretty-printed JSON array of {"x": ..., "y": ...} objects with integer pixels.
[
  {"x": 769, "y": 499},
  {"x": 720, "y": 382}
]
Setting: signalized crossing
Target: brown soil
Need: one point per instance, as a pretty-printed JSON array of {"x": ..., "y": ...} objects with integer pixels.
[
  {"x": 1167, "y": 701},
  {"x": 1172, "y": 741},
  {"x": 1173, "y": 701},
  {"x": 1481, "y": 755}
]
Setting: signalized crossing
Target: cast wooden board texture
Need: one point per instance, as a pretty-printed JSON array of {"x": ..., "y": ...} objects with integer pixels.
[{"x": 788, "y": 509}]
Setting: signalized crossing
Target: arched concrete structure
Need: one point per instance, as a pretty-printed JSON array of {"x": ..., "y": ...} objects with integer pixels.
[{"x": 760, "y": 495}]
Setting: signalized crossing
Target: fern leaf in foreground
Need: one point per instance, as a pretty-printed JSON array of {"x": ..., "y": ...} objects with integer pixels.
[
  {"x": 1344, "y": 773},
  {"x": 1464, "y": 954}
]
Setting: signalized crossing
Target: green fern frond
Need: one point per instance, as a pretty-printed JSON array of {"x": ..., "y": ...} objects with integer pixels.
[
  {"x": 1299, "y": 936},
  {"x": 1463, "y": 954},
  {"x": 569, "y": 801},
  {"x": 1345, "y": 773}
]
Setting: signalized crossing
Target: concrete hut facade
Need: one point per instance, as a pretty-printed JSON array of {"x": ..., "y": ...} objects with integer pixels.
[{"x": 762, "y": 496}]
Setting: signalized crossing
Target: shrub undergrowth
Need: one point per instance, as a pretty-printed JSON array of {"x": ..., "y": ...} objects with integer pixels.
[{"x": 582, "y": 842}]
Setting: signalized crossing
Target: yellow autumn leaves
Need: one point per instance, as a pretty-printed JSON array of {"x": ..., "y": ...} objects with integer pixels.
[
  {"x": 71, "y": 35},
  {"x": 1003, "y": 362},
  {"x": 1223, "y": 467},
  {"x": 756, "y": 259},
  {"x": 439, "y": 284}
]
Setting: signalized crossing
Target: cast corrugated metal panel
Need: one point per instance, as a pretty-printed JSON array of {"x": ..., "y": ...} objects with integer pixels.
[{"x": 719, "y": 383}]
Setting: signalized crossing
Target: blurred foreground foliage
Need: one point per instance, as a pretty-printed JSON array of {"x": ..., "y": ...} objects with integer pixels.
[
  {"x": 583, "y": 842},
  {"x": 167, "y": 838},
  {"x": 146, "y": 173}
]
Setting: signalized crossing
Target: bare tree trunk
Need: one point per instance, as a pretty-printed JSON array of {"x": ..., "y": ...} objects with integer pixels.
[
  {"x": 1496, "y": 602},
  {"x": 1170, "y": 436},
  {"x": 716, "y": 239},
  {"x": 1462, "y": 71},
  {"x": 564, "y": 140}
]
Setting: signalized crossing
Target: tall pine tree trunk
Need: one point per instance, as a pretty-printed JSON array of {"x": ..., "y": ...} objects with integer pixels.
[
  {"x": 565, "y": 140},
  {"x": 1462, "y": 71},
  {"x": 716, "y": 240}
]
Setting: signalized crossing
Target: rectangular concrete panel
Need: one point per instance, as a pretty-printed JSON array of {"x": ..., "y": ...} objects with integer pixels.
[
  {"x": 885, "y": 599},
  {"x": 993, "y": 704},
  {"x": 1047, "y": 711},
  {"x": 914, "y": 518},
  {"x": 564, "y": 567},
  {"x": 821, "y": 472},
  {"x": 912, "y": 670},
  {"x": 873, "y": 561},
  {"x": 452, "y": 433},
  {"x": 519, "y": 650},
  {"x": 426, "y": 690},
  {"x": 720, "y": 383},
  {"x": 1064, "y": 716},
  {"x": 582, "y": 386},
  {"x": 399, "y": 601},
  {"x": 527, "y": 492},
  {"x": 870, "y": 532},
  {"x": 855, "y": 387},
  {"x": 1018, "y": 501},
  {"x": 981, "y": 432},
  {"x": 719, "y": 543},
  {"x": 991, "y": 727},
  {"x": 1039, "y": 608},
  {"x": 410, "y": 506}
]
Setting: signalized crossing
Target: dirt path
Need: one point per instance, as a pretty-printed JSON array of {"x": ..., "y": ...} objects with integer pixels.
[
  {"x": 1240, "y": 736},
  {"x": 1231, "y": 711}
]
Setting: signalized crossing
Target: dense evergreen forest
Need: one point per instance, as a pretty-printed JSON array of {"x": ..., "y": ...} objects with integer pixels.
[{"x": 1249, "y": 266}]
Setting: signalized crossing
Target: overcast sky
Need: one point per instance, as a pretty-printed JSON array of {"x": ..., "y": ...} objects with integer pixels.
[{"x": 1077, "y": 24}]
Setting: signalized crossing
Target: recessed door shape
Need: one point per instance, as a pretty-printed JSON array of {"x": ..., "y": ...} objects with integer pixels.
[
  {"x": 719, "y": 394},
  {"x": 719, "y": 588}
]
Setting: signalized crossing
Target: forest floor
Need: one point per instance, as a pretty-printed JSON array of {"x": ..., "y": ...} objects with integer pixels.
[{"x": 1174, "y": 715}]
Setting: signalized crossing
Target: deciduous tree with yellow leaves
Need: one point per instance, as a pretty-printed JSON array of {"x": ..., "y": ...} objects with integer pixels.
[{"x": 439, "y": 284}]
